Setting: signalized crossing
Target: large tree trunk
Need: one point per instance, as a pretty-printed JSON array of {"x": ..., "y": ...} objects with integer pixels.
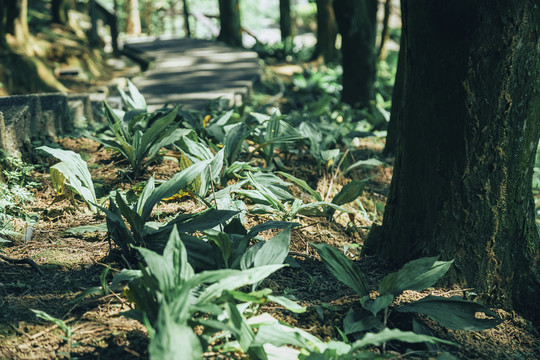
[
  {"x": 133, "y": 18},
  {"x": 467, "y": 141},
  {"x": 326, "y": 32},
  {"x": 357, "y": 24},
  {"x": 59, "y": 11},
  {"x": 229, "y": 16},
  {"x": 285, "y": 24}
]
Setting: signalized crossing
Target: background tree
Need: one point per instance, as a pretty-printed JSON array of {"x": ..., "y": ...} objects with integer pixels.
[
  {"x": 133, "y": 18},
  {"x": 357, "y": 24},
  {"x": 327, "y": 30},
  {"x": 397, "y": 101},
  {"x": 17, "y": 21},
  {"x": 229, "y": 16},
  {"x": 467, "y": 141},
  {"x": 285, "y": 23},
  {"x": 59, "y": 11}
]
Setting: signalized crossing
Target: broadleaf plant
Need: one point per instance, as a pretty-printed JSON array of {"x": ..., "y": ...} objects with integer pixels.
[
  {"x": 455, "y": 313},
  {"x": 72, "y": 172}
]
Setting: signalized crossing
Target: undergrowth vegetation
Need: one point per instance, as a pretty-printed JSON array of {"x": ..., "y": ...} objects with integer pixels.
[{"x": 197, "y": 285}]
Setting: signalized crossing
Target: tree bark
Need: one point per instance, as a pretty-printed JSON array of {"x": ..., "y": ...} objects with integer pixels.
[
  {"x": 357, "y": 24},
  {"x": 326, "y": 32},
  {"x": 59, "y": 11},
  {"x": 462, "y": 185},
  {"x": 285, "y": 24},
  {"x": 229, "y": 16},
  {"x": 133, "y": 18}
]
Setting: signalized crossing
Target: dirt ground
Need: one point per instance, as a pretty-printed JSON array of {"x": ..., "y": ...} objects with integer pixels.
[{"x": 71, "y": 264}]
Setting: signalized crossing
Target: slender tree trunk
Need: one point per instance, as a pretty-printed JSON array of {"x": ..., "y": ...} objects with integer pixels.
[
  {"x": 17, "y": 21},
  {"x": 285, "y": 23},
  {"x": 397, "y": 100},
  {"x": 133, "y": 18},
  {"x": 92, "y": 12},
  {"x": 326, "y": 32},
  {"x": 59, "y": 10},
  {"x": 187, "y": 29},
  {"x": 467, "y": 141},
  {"x": 3, "y": 24},
  {"x": 357, "y": 24},
  {"x": 231, "y": 30}
]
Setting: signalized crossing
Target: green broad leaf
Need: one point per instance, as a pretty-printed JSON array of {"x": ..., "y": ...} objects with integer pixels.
[
  {"x": 261, "y": 118},
  {"x": 173, "y": 340},
  {"x": 369, "y": 162},
  {"x": 215, "y": 128},
  {"x": 275, "y": 250},
  {"x": 175, "y": 253},
  {"x": 266, "y": 193},
  {"x": 304, "y": 208},
  {"x": 246, "y": 261},
  {"x": 242, "y": 331},
  {"x": 271, "y": 331},
  {"x": 416, "y": 275},
  {"x": 349, "y": 192},
  {"x": 194, "y": 149},
  {"x": 355, "y": 323},
  {"x": 58, "y": 322},
  {"x": 288, "y": 304},
  {"x": 75, "y": 171},
  {"x": 225, "y": 246},
  {"x": 386, "y": 335},
  {"x": 303, "y": 185},
  {"x": 377, "y": 304},
  {"x": 201, "y": 221},
  {"x": 157, "y": 266},
  {"x": 280, "y": 353},
  {"x": 233, "y": 141},
  {"x": 343, "y": 269},
  {"x": 419, "y": 328},
  {"x": 133, "y": 218},
  {"x": 454, "y": 313},
  {"x": 145, "y": 194},
  {"x": 257, "y": 297},
  {"x": 329, "y": 154},
  {"x": 58, "y": 180},
  {"x": 178, "y": 182},
  {"x": 125, "y": 275},
  {"x": 230, "y": 280},
  {"x": 86, "y": 228}
]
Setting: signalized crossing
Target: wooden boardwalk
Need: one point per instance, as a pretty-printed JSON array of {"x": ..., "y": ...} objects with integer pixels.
[{"x": 190, "y": 72}]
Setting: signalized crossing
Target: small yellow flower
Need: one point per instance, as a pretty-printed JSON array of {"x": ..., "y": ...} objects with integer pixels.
[{"x": 206, "y": 120}]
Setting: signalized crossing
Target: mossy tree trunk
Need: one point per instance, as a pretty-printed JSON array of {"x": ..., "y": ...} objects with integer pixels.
[
  {"x": 357, "y": 24},
  {"x": 229, "y": 16},
  {"x": 326, "y": 32},
  {"x": 133, "y": 18},
  {"x": 462, "y": 185},
  {"x": 59, "y": 11},
  {"x": 285, "y": 23}
]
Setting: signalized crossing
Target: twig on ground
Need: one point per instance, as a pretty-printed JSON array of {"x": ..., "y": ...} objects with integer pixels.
[{"x": 28, "y": 261}]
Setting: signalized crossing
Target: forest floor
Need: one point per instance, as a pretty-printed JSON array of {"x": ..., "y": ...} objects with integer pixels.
[{"x": 72, "y": 264}]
